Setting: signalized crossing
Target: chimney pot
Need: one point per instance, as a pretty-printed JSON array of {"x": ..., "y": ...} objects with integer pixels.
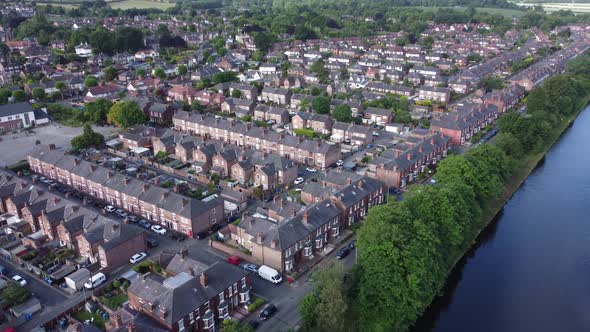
[{"x": 305, "y": 218}]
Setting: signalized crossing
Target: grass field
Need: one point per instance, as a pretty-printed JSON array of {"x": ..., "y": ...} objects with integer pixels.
[
  {"x": 555, "y": 6},
  {"x": 502, "y": 11},
  {"x": 140, "y": 4}
]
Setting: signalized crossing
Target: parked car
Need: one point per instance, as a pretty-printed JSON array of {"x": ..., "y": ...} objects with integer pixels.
[
  {"x": 145, "y": 224},
  {"x": 95, "y": 280},
  {"x": 121, "y": 213},
  {"x": 109, "y": 208},
  {"x": 151, "y": 243},
  {"x": 267, "y": 311},
  {"x": 342, "y": 253},
  {"x": 311, "y": 169},
  {"x": 298, "y": 181},
  {"x": 250, "y": 267},
  {"x": 352, "y": 244},
  {"x": 270, "y": 274},
  {"x": 339, "y": 163},
  {"x": 158, "y": 229},
  {"x": 132, "y": 219},
  {"x": 234, "y": 260},
  {"x": 215, "y": 228},
  {"x": 201, "y": 235},
  {"x": 19, "y": 280},
  {"x": 178, "y": 237},
  {"x": 138, "y": 257}
]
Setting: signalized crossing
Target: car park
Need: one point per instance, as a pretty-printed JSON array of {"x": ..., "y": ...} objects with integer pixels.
[
  {"x": 250, "y": 267},
  {"x": 137, "y": 257},
  {"x": 19, "y": 280},
  {"x": 342, "y": 253},
  {"x": 267, "y": 311},
  {"x": 144, "y": 223},
  {"x": 234, "y": 260},
  {"x": 158, "y": 229},
  {"x": 298, "y": 181},
  {"x": 109, "y": 208}
]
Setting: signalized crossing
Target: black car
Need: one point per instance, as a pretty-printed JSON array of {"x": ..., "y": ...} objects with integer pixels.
[
  {"x": 215, "y": 228},
  {"x": 202, "y": 235},
  {"x": 267, "y": 311},
  {"x": 352, "y": 244},
  {"x": 177, "y": 237},
  {"x": 151, "y": 243},
  {"x": 342, "y": 253}
]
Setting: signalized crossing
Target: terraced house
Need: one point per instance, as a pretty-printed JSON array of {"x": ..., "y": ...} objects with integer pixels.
[
  {"x": 301, "y": 234},
  {"x": 466, "y": 121},
  {"x": 315, "y": 153},
  {"x": 402, "y": 165},
  {"x": 157, "y": 205}
]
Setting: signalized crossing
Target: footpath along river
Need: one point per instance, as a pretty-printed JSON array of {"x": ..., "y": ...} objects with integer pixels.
[{"x": 530, "y": 269}]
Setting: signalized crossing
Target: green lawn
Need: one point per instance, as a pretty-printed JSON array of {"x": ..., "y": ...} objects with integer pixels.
[
  {"x": 555, "y": 6},
  {"x": 502, "y": 11},
  {"x": 140, "y": 4},
  {"x": 85, "y": 315}
]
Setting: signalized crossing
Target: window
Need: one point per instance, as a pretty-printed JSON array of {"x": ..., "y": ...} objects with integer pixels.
[{"x": 243, "y": 283}]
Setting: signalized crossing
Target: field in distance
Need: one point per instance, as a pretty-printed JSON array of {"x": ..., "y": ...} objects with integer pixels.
[
  {"x": 140, "y": 4},
  {"x": 555, "y": 6},
  {"x": 502, "y": 11}
]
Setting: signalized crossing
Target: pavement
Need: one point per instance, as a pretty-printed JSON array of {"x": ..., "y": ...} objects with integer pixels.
[{"x": 15, "y": 147}]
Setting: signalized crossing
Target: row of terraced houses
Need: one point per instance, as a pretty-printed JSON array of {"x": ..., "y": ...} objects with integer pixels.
[{"x": 155, "y": 204}]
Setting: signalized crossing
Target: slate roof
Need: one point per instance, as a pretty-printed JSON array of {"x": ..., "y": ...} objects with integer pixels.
[
  {"x": 16, "y": 108},
  {"x": 182, "y": 294}
]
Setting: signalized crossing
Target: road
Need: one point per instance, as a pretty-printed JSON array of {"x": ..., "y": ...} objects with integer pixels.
[{"x": 287, "y": 297}]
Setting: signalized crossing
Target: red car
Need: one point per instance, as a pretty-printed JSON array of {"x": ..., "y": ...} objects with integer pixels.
[{"x": 235, "y": 260}]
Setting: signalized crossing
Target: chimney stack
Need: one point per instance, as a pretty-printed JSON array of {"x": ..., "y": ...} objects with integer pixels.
[
  {"x": 274, "y": 243},
  {"x": 204, "y": 280},
  {"x": 118, "y": 320},
  {"x": 126, "y": 180},
  {"x": 259, "y": 238},
  {"x": 130, "y": 327},
  {"x": 184, "y": 202},
  {"x": 190, "y": 272},
  {"x": 349, "y": 180},
  {"x": 305, "y": 218},
  {"x": 145, "y": 187},
  {"x": 360, "y": 184},
  {"x": 76, "y": 161},
  {"x": 409, "y": 155}
]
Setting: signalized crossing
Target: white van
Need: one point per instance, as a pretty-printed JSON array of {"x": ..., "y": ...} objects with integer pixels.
[
  {"x": 96, "y": 280},
  {"x": 269, "y": 274}
]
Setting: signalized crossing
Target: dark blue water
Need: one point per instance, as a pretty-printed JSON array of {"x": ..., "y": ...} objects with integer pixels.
[{"x": 530, "y": 270}]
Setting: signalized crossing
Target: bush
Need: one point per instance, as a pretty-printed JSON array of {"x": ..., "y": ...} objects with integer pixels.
[
  {"x": 116, "y": 284},
  {"x": 256, "y": 304},
  {"x": 309, "y": 133},
  {"x": 142, "y": 267}
]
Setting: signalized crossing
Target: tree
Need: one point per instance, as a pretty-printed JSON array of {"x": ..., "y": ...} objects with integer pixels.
[
  {"x": 126, "y": 114},
  {"x": 509, "y": 144},
  {"x": 236, "y": 93},
  {"x": 90, "y": 81},
  {"x": 182, "y": 70},
  {"x": 87, "y": 139},
  {"x": 226, "y": 76},
  {"x": 19, "y": 95},
  {"x": 15, "y": 294},
  {"x": 321, "y": 105},
  {"x": 39, "y": 93},
  {"x": 342, "y": 113},
  {"x": 309, "y": 312},
  {"x": 196, "y": 106},
  {"x": 140, "y": 72},
  {"x": 110, "y": 73},
  {"x": 160, "y": 73},
  {"x": 96, "y": 111},
  {"x": 4, "y": 95},
  {"x": 61, "y": 86}
]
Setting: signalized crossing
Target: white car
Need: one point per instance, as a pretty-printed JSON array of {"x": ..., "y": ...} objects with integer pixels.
[
  {"x": 137, "y": 257},
  {"x": 109, "y": 208},
  {"x": 311, "y": 170},
  {"x": 158, "y": 229},
  {"x": 298, "y": 181},
  {"x": 121, "y": 213},
  {"x": 19, "y": 280},
  {"x": 339, "y": 163}
]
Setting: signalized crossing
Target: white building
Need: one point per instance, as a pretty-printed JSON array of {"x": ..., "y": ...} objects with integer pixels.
[
  {"x": 20, "y": 115},
  {"x": 84, "y": 50}
]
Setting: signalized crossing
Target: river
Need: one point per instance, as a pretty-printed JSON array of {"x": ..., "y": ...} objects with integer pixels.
[{"x": 530, "y": 269}]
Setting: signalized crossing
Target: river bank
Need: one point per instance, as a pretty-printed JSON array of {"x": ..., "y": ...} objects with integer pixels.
[{"x": 492, "y": 213}]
